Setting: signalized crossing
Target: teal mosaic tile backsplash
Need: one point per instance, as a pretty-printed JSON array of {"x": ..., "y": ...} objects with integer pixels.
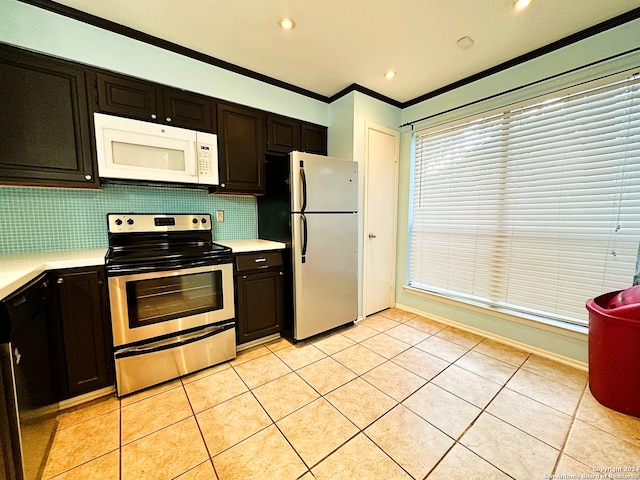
[{"x": 35, "y": 219}]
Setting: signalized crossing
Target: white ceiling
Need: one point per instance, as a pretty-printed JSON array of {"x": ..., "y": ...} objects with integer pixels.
[{"x": 340, "y": 42}]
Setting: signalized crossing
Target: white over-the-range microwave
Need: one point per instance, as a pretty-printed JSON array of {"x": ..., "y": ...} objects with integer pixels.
[{"x": 136, "y": 150}]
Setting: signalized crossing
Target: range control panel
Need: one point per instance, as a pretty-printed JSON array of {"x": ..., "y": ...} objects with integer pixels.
[{"x": 150, "y": 222}]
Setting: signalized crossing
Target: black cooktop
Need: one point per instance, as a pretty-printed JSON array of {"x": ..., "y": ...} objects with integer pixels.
[
  {"x": 153, "y": 242},
  {"x": 124, "y": 260}
]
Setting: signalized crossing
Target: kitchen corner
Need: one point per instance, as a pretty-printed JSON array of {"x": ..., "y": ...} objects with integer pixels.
[{"x": 17, "y": 269}]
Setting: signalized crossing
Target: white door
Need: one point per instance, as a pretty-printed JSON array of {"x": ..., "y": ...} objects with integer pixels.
[{"x": 381, "y": 163}]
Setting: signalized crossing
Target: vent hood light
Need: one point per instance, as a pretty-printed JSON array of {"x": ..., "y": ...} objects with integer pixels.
[
  {"x": 286, "y": 23},
  {"x": 521, "y": 4}
]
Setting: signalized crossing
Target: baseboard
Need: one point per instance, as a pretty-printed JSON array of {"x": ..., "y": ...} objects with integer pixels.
[
  {"x": 255, "y": 343},
  {"x": 87, "y": 397},
  {"x": 497, "y": 338}
]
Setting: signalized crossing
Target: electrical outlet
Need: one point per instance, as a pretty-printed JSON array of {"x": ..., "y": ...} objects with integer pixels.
[{"x": 219, "y": 216}]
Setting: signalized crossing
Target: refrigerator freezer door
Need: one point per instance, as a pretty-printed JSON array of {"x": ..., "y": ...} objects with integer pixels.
[
  {"x": 326, "y": 283},
  {"x": 328, "y": 184}
]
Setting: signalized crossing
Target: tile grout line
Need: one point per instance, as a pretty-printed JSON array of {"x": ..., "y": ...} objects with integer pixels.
[
  {"x": 456, "y": 441},
  {"x": 574, "y": 418},
  {"x": 120, "y": 438},
  {"x": 322, "y": 396},
  {"x": 195, "y": 418}
]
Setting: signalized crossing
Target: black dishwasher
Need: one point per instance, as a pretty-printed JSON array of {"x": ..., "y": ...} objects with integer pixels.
[{"x": 27, "y": 400}]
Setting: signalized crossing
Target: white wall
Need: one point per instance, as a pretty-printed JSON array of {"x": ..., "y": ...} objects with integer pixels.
[
  {"x": 558, "y": 341},
  {"x": 341, "y": 115},
  {"x": 347, "y": 138}
]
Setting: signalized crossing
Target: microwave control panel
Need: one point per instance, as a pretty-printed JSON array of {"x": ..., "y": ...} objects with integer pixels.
[{"x": 207, "y": 160}]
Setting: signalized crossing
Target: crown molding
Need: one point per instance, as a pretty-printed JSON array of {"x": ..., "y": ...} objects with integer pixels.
[{"x": 187, "y": 52}]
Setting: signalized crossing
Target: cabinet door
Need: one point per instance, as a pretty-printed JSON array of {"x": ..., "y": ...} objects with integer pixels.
[
  {"x": 260, "y": 304},
  {"x": 85, "y": 327},
  {"x": 44, "y": 120},
  {"x": 283, "y": 134},
  {"x": 240, "y": 150},
  {"x": 187, "y": 110},
  {"x": 127, "y": 97},
  {"x": 314, "y": 139}
]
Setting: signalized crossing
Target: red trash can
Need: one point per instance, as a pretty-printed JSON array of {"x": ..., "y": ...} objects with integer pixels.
[{"x": 614, "y": 350}]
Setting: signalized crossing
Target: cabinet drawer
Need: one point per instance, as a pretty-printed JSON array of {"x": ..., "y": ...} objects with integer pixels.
[{"x": 255, "y": 261}]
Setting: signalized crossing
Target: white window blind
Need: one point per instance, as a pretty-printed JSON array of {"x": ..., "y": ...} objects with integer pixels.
[{"x": 534, "y": 208}]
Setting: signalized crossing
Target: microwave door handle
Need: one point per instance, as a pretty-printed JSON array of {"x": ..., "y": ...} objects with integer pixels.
[{"x": 196, "y": 165}]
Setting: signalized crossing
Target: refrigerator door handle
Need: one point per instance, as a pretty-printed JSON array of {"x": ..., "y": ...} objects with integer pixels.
[
  {"x": 303, "y": 177},
  {"x": 303, "y": 219}
]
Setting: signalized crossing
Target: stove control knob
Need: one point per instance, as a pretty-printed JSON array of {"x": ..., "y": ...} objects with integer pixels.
[
  {"x": 118, "y": 221},
  {"x": 130, "y": 221},
  {"x": 204, "y": 220},
  {"x": 195, "y": 220}
]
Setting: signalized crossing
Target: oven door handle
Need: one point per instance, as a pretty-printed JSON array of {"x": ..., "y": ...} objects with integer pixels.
[{"x": 173, "y": 342}]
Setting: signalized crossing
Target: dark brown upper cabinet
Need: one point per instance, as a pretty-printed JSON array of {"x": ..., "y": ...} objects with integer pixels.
[
  {"x": 241, "y": 150},
  {"x": 285, "y": 135},
  {"x": 313, "y": 138},
  {"x": 152, "y": 102},
  {"x": 44, "y": 120}
]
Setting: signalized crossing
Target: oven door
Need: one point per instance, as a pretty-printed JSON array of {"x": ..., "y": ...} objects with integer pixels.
[{"x": 155, "y": 304}]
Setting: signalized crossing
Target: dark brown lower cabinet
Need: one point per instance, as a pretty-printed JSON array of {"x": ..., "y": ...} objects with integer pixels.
[
  {"x": 85, "y": 344},
  {"x": 259, "y": 295}
]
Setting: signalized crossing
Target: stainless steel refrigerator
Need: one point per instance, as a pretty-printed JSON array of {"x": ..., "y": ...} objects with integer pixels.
[{"x": 311, "y": 204}]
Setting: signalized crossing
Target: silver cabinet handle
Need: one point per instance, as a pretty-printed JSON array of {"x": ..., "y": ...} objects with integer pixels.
[
  {"x": 153, "y": 115},
  {"x": 168, "y": 119},
  {"x": 88, "y": 177},
  {"x": 372, "y": 235},
  {"x": 258, "y": 260},
  {"x": 60, "y": 281}
]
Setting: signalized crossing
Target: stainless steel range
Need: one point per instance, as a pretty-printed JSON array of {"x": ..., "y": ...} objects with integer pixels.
[{"x": 171, "y": 297}]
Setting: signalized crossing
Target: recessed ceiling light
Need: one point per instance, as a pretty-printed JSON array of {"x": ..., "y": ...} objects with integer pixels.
[
  {"x": 465, "y": 43},
  {"x": 521, "y": 4},
  {"x": 390, "y": 74},
  {"x": 287, "y": 23}
]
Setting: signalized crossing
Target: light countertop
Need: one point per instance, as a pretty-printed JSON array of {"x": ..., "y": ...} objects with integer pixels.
[
  {"x": 18, "y": 269},
  {"x": 253, "y": 245}
]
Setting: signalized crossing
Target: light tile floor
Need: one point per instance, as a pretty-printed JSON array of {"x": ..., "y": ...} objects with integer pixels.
[{"x": 396, "y": 396}]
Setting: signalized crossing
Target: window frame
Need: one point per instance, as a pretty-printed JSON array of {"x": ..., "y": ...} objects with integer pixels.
[{"x": 450, "y": 123}]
